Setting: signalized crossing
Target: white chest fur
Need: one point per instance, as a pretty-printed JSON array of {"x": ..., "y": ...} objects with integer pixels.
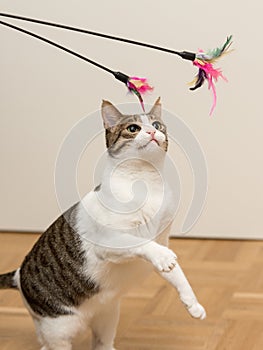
[{"x": 133, "y": 195}]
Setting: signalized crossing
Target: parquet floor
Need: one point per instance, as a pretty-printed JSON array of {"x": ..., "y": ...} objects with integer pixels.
[{"x": 227, "y": 276}]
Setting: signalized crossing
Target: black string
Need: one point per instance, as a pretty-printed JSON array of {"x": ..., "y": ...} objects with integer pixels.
[
  {"x": 124, "y": 78},
  {"x": 58, "y": 46},
  {"x": 184, "y": 54}
]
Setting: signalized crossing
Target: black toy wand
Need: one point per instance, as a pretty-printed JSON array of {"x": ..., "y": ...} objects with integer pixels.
[{"x": 139, "y": 86}]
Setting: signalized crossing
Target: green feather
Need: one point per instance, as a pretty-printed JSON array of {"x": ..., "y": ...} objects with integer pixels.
[{"x": 217, "y": 52}]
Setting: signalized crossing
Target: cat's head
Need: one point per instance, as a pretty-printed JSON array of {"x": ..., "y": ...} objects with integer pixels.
[{"x": 140, "y": 134}]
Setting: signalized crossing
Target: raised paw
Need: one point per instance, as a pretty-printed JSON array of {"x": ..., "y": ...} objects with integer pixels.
[
  {"x": 197, "y": 311},
  {"x": 164, "y": 259}
]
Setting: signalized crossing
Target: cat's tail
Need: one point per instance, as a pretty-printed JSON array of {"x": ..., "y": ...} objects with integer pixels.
[{"x": 7, "y": 280}]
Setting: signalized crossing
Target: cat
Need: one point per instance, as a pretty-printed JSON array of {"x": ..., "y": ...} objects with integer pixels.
[{"x": 110, "y": 241}]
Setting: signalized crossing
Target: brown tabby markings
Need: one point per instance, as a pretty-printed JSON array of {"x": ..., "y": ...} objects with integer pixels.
[
  {"x": 6, "y": 280},
  {"x": 51, "y": 274},
  {"x": 117, "y": 137}
]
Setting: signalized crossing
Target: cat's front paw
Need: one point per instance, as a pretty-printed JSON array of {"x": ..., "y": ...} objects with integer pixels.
[
  {"x": 197, "y": 311},
  {"x": 164, "y": 260}
]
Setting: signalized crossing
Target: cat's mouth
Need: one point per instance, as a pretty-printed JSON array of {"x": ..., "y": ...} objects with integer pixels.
[{"x": 154, "y": 140}]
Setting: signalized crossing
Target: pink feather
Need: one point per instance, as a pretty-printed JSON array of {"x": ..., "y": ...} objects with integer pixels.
[
  {"x": 141, "y": 84},
  {"x": 212, "y": 76}
]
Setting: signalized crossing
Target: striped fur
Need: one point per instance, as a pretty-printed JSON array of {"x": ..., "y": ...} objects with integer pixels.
[
  {"x": 118, "y": 138},
  {"x": 51, "y": 276},
  {"x": 68, "y": 277},
  {"x": 7, "y": 280}
]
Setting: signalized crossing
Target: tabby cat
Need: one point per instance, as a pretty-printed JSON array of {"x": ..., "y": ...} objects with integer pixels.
[{"x": 110, "y": 241}]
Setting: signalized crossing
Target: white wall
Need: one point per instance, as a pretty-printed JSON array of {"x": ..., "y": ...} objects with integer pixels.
[{"x": 44, "y": 92}]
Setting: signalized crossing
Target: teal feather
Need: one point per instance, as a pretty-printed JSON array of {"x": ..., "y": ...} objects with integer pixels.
[{"x": 214, "y": 54}]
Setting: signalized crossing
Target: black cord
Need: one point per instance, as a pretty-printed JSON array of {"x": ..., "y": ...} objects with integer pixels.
[
  {"x": 58, "y": 46},
  {"x": 184, "y": 54},
  {"x": 118, "y": 75}
]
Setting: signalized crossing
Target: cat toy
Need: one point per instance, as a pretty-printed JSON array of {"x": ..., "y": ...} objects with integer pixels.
[
  {"x": 204, "y": 62},
  {"x": 139, "y": 86}
]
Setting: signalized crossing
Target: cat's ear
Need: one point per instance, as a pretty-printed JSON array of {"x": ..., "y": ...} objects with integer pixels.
[
  {"x": 110, "y": 114},
  {"x": 156, "y": 110}
]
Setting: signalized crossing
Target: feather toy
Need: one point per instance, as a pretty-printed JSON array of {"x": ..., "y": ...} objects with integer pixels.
[
  {"x": 139, "y": 86},
  {"x": 206, "y": 71}
]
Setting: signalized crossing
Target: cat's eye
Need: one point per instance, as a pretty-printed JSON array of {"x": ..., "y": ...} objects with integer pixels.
[
  {"x": 157, "y": 125},
  {"x": 133, "y": 128}
]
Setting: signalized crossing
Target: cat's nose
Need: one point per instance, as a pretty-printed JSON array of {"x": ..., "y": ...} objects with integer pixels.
[{"x": 152, "y": 133}]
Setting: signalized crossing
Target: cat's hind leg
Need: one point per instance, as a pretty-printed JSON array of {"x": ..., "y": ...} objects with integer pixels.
[
  {"x": 104, "y": 325},
  {"x": 39, "y": 336},
  {"x": 57, "y": 333}
]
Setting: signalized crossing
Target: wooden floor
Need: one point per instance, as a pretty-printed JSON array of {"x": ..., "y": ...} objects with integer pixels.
[{"x": 227, "y": 276}]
